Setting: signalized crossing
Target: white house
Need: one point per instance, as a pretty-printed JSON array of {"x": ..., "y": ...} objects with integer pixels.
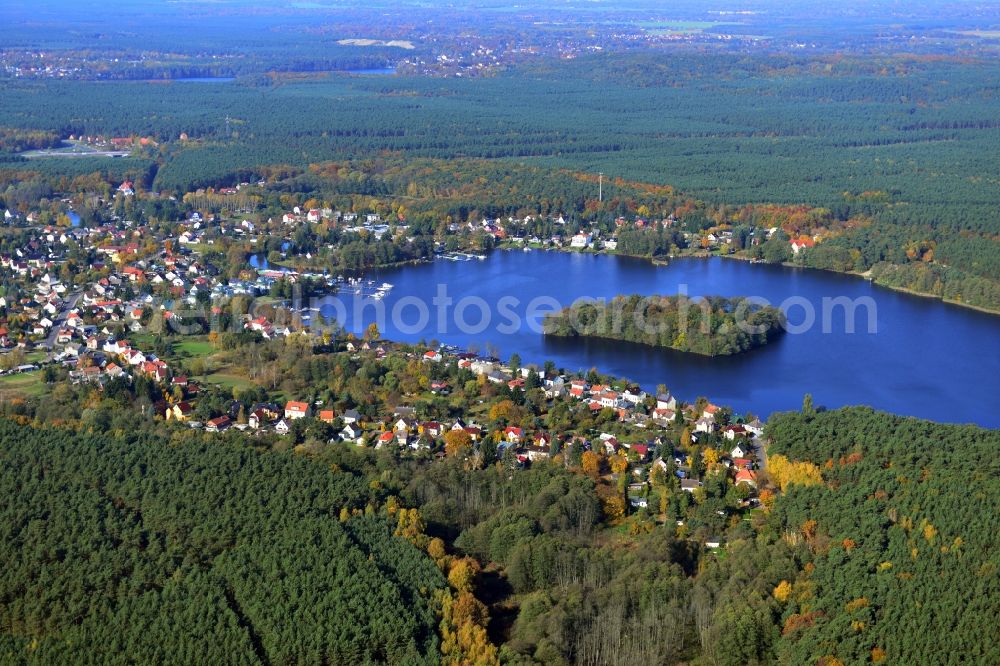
[
  {"x": 666, "y": 401},
  {"x": 351, "y": 433},
  {"x": 704, "y": 424},
  {"x": 296, "y": 410},
  {"x": 633, "y": 397}
]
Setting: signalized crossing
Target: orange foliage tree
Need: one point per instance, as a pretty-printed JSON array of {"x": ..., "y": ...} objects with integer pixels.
[{"x": 457, "y": 442}]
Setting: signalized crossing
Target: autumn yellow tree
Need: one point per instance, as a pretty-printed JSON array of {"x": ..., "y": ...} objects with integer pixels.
[
  {"x": 463, "y": 574},
  {"x": 464, "y": 641},
  {"x": 591, "y": 463},
  {"x": 437, "y": 551},
  {"x": 503, "y": 411},
  {"x": 784, "y": 472},
  {"x": 457, "y": 443},
  {"x": 612, "y": 503},
  {"x": 410, "y": 525},
  {"x": 619, "y": 463}
]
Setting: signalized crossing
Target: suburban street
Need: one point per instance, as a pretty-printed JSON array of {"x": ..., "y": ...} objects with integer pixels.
[{"x": 68, "y": 305}]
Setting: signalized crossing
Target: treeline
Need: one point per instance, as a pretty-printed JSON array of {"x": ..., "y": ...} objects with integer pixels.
[
  {"x": 959, "y": 267},
  {"x": 136, "y": 547},
  {"x": 712, "y": 326},
  {"x": 15, "y": 140}
]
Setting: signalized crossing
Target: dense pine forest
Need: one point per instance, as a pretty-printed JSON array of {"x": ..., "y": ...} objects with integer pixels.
[
  {"x": 722, "y": 128},
  {"x": 899, "y": 541},
  {"x": 879, "y": 547},
  {"x": 713, "y": 326},
  {"x": 890, "y": 157},
  {"x": 135, "y": 548}
]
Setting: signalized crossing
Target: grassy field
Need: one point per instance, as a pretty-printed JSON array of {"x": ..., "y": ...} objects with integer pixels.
[
  {"x": 194, "y": 346},
  {"x": 23, "y": 385},
  {"x": 226, "y": 378}
]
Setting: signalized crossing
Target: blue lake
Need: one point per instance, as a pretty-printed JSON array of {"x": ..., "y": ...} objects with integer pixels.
[{"x": 925, "y": 358}]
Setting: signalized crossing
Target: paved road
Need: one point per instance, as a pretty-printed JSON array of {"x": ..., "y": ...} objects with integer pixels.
[
  {"x": 60, "y": 318},
  {"x": 760, "y": 446}
]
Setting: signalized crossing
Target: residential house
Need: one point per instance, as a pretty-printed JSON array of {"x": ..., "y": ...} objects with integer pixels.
[
  {"x": 182, "y": 411},
  {"x": 296, "y": 410},
  {"x": 537, "y": 453},
  {"x": 641, "y": 451},
  {"x": 351, "y": 433},
  {"x": 432, "y": 429},
  {"x": 690, "y": 485},
  {"x": 747, "y": 476},
  {"x": 666, "y": 401},
  {"x": 633, "y": 397},
  {"x": 704, "y": 424},
  {"x": 257, "y": 418},
  {"x": 218, "y": 424},
  {"x": 733, "y": 431},
  {"x": 755, "y": 427}
]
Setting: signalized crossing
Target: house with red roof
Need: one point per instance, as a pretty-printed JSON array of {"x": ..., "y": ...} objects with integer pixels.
[
  {"x": 746, "y": 476},
  {"x": 801, "y": 243},
  {"x": 641, "y": 450},
  {"x": 182, "y": 411},
  {"x": 296, "y": 410},
  {"x": 218, "y": 424},
  {"x": 734, "y": 431},
  {"x": 432, "y": 428},
  {"x": 513, "y": 434}
]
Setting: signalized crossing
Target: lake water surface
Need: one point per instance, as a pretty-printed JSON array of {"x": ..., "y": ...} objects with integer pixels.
[{"x": 925, "y": 358}]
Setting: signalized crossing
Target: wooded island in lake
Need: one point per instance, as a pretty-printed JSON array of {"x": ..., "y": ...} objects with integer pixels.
[{"x": 711, "y": 326}]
